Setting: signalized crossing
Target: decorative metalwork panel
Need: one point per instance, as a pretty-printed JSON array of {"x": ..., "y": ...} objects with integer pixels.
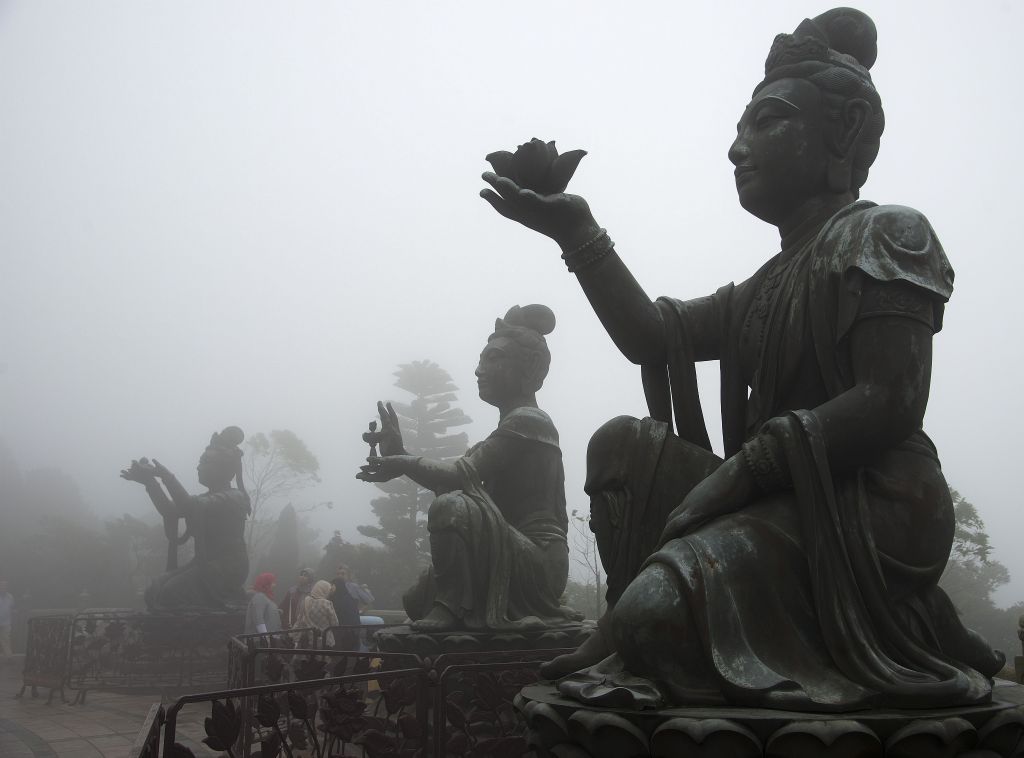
[
  {"x": 475, "y": 694},
  {"x": 375, "y": 715},
  {"x": 115, "y": 650},
  {"x": 46, "y": 654}
]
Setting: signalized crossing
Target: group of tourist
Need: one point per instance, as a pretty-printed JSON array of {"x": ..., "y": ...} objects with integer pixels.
[{"x": 310, "y": 603}]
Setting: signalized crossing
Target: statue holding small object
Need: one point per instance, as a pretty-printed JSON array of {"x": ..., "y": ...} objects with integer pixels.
[
  {"x": 215, "y": 521},
  {"x": 800, "y": 572},
  {"x": 498, "y": 524}
]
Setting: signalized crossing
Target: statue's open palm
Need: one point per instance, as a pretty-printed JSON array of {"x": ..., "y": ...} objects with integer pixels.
[
  {"x": 141, "y": 471},
  {"x": 563, "y": 217}
]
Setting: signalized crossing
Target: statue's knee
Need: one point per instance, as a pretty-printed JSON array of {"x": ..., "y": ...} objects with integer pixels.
[
  {"x": 448, "y": 511},
  {"x": 649, "y": 607}
]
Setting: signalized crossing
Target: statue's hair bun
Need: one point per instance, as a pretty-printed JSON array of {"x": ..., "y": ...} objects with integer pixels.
[
  {"x": 232, "y": 435},
  {"x": 537, "y": 317},
  {"x": 851, "y": 32}
]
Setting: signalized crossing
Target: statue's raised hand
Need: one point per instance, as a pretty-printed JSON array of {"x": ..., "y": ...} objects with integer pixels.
[
  {"x": 141, "y": 471},
  {"x": 563, "y": 217},
  {"x": 389, "y": 438}
]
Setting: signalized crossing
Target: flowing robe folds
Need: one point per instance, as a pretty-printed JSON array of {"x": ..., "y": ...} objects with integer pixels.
[
  {"x": 823, "y": 597},
  {"x": 500, "y": 556}
]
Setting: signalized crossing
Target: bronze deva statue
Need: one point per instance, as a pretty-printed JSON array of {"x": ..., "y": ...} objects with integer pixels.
[
  {"x": 215, "y": 521},
  {"x": 498, "y": 525},
  {"x": 800, "y": 572}
]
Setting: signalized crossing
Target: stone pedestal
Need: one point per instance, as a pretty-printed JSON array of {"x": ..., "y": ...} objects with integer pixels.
[
  {"x": 404, "y": 639},
  {"x": 567, "y": 729}
]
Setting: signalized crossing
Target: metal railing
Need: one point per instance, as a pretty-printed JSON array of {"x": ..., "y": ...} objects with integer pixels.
[
  {"x": 46, "y": 654},
  {"x": 285, "y": 690}
]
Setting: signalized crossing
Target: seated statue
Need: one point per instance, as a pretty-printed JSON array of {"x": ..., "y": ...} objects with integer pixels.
[
  {"x": 215, "y": 521},
  {"x": 498, "y": 524},
  {"x": 801, "y": 571}
]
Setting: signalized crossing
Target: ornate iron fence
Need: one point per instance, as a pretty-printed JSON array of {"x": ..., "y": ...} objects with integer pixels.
[
  {"x": 46, "y": 654},
  {"x": 462, "y": 701},
  {"x": 285, "y": 693},
  {"x": 321, "y": 717},
  {"x": 141, "y": 652},
  {"x": 473, "y": 703}
]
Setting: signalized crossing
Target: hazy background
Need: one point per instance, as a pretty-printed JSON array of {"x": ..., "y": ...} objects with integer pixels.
[{"x": 248, "y": 213}]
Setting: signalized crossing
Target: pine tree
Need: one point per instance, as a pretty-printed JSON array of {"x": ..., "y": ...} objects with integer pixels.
[{"x": 425, "y": 421}]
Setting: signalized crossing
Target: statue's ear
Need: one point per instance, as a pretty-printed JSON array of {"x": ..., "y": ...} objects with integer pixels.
[
  {"x": 847, "y": 136},
  {"x": 853, "y": 122},
  {"x": 531, "y": 369}
]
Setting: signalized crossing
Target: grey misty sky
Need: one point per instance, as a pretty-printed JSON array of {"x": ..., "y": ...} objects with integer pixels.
[{"x": 249, "y": 212}]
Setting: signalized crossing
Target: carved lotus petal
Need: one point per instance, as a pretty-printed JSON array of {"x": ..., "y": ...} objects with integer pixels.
[
  {"x": 532, "y": 161},
  {"x": 547, "y": 727},
  {"x": 1004, "y": 734},
  {"x": 562, "y": 169},
  {"x": 607, "y": 735},
  {"x": 704, "y": 738},
  {"x": 503, "y": 164},
  {"x": 932, "y": 737},
  {"x": 840, "y": 738}
]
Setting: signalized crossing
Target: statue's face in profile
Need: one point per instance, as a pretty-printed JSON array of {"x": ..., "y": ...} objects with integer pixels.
[
  {"x": 499, "y": 375},
  {"x": 780, "y": 151}
]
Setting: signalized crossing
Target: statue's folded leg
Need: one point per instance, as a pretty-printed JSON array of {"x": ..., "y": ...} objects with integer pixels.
[
  {"x": 448, "y": 522},
  {"x": 637, "y": 473}
]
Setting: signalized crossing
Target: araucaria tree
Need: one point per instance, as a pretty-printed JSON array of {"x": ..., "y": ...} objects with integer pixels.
[{"x": 425, "y": 421}]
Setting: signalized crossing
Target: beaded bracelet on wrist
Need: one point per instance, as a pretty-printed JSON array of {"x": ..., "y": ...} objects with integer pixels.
[
  {"x": 589, "y": 252},
  {"x": 762, "y": 454}
]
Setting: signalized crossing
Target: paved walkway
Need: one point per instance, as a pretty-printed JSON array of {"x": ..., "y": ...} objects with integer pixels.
[{"x": 104, "y": 727}]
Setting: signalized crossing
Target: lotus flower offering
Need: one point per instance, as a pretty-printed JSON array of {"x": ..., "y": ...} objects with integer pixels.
[{"x": 537, "y": 166}]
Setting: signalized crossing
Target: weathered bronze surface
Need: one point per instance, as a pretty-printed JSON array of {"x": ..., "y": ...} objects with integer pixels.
[
  {"x": 215, "y": 520},
  {"x": 498, "y": 524},
  {"x": 800, "y": 572}
]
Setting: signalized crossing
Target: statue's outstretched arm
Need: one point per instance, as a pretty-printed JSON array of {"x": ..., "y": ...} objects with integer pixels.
[
  {"x": 145, "y": 473},
  {"x": 438, "y": 476},
  {"x": 179, "y": 494},
  {"x": 626, "y": 312}
]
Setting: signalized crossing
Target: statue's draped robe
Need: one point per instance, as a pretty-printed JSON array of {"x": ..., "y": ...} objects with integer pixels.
[
  {"x": 500, "y": 556},
  {"x": 214, "y": 577},
  {"x": 824, "y": 597}
]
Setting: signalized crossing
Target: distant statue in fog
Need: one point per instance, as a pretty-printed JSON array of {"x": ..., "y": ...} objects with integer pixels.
[
  {"x": 498, "y": 524},
  {"x": 215, "y": 520}
]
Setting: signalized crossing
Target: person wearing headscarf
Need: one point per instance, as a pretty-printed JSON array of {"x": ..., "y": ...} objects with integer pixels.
[
  {"x": 498, "y": 524},
  {"x": 317, "y": 610},
  {"x": 215, "y": 520},
  {"x": 802, "y": 571},
  {"x": 262, "y": 615}
]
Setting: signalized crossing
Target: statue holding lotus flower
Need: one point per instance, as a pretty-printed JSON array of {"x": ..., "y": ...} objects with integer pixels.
[{"x": 801, "y": 571}]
